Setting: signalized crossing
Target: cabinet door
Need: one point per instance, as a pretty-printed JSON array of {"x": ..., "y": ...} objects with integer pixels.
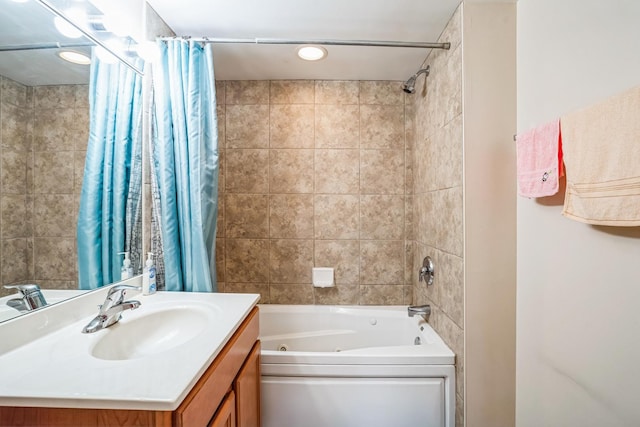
[
  {"x": 226, "y": 415},
  {"x": 247, "y": 388}
]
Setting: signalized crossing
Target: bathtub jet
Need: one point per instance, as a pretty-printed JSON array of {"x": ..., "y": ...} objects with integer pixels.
[{"x": 410, "y": 85}]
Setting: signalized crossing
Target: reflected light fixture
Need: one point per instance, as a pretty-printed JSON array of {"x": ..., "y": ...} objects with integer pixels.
[
  {"x": 311, "y": 52},
  {"x": 74, "y": 57},
  {"x": 66, "y": 29}
]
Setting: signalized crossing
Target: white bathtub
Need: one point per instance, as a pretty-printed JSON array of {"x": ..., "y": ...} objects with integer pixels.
[{"x": 352, "y": 366}]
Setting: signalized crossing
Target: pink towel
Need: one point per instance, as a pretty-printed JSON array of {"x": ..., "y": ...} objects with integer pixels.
[{"x": 539, "y": 160}]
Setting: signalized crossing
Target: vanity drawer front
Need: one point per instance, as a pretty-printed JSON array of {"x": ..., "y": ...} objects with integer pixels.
[{"x": 206, "y": 396}]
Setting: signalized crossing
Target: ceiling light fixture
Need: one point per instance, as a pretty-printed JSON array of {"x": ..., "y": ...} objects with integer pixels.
[
  {"x": 311, "y": 52},
  {"x": 74, "y": 57},
  {"x": 75, "y": 14},
  {"x": 66, "y": 29}
]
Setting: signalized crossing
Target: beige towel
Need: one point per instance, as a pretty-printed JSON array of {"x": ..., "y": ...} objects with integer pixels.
[{"x": 601, "y": 146}]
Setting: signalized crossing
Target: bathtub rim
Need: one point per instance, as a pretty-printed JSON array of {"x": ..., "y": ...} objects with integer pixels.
[{"x": 435, "y": 352}]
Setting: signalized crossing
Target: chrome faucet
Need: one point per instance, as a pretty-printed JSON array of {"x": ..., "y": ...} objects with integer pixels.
[
  {"x": 112, "y": 308},
  {"x": 30, "y": 297},
  {"x": 420, "y": 310}
]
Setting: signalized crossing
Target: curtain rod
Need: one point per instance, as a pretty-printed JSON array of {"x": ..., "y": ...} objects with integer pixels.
[
  {"x": 41, "y": 46},
  {"x": 369, "y": 43}
]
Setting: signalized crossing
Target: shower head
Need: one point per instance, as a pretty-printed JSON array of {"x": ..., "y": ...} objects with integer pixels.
[{"x": 409, "y": 85}]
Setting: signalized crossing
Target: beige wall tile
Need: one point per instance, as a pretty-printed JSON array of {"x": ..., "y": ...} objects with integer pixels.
[
  {"x": 220, "y": 218},
  {"x": 375, "y": 164},
  {"x": 291, "y": 293},
  {"x": 54, "y": 172},
  {"x": 79, "y": 158},
  {"x": 292, "y": 126},
  {"x": 14, "y": 260},
  {"x": 250, "y": 288},
  {"x": 291, "y": 171},
  {"x": 337, "y": 126},
  {"x": 220, "y": 261},
  {"x": 54, "y": 258},
  {"x": 12, "y": 92},
  {"x": 337, "y": 171},
  {"x": 221, "y": 119},
  {"x": 55, "y": 215},
  {"x": 247, "y": 126},
  {"x": 291, "y": 216},
  {"x": 247, "y": 261},
  {"x": 382, "y": 126},
  {"x": 48, "y": 97},
  {"x": 81, "y": 125},
  {"x": 381, "y": 93},
  {"x": 247, "y": 171},
  {"x": 338, "y": 295},
  {"x": 13, "y": 128},
  {"x": 13, "y": 172},
  {"x": 247, "y": 92},
  {"x": 221, "y": 90},
  {"x": 382, "y": 217},
  {"x": 451, "y": 285},
  {"x": 381, "y": 262},
  {"x": 337, "y": 92},
  {"x": 381, "y": 295},
  {"x": 247, "y": 216},
  {"x": 55, "y": 130},
  {"x": 336, "y": 217},
  {"x": 448, "y": 169},
  {"x": 341, "y": 255},
  {"x": 292, "y": 92},
  {"x": 15, "y": 216},
  {"x": 290, "y": 261},
  {"x": 450, "y": 231},
  {"x": 453, "y": 336},
  {"x": 81, "y": 97}
]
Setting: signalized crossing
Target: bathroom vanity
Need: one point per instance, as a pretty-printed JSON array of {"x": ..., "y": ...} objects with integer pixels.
[{"x": 181, "y": 359}]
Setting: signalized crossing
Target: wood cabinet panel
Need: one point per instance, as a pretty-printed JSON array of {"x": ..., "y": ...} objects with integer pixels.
[
  {"x": 226, "y": 415},
  {"x": 205, "y": 399},
  {"x": 247, "y": 387},
  {"x": 206, "y": 396}
]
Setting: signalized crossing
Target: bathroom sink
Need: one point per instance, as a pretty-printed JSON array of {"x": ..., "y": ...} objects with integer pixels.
[{"x": 154, "y": 332}]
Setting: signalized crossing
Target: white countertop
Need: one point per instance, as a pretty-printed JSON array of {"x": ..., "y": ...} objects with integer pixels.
[{"x": 57, "y": 368}]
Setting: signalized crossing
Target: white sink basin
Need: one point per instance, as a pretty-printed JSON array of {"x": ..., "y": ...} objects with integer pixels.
[
  {"x": 149, "y": 360},
  {"x": 151, "y": 333}
]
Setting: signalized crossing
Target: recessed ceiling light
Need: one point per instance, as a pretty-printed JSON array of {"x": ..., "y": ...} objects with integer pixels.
[
  {"x": 75, "y": 57},
  {"x": 312, "y": 53}
]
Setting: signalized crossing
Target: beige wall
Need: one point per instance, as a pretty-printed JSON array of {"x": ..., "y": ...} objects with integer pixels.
[
  {"x": 313, "y": 174},
  {"x": 489, "y": 105},
  {"x": 43, "y": 138},
  {"x": 436, "y": 160},
  {"x": 578, "y": 285}
]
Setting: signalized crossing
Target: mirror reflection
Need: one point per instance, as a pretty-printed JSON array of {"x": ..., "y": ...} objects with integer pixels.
[{"x": 44, "y": 128}]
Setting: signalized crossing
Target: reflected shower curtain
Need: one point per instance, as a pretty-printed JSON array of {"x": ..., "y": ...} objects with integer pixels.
[
  {"x": 109, "y": 219},
  {"x": 184, "y": 167}
]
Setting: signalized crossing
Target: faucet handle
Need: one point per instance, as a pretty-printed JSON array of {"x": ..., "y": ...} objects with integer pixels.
[
  {"x": 31, "y": 295},
  {"x": 116, "y": 294}
]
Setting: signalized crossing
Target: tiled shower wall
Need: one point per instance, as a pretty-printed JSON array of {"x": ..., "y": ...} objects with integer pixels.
[
  {"x": 43, "y": 136},
  {"x": 313, "y": 174},
  {"x": 436, "y": 153}
]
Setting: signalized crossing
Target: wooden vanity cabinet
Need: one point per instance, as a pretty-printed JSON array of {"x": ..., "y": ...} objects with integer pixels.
[{"x": 227, "y": 395}]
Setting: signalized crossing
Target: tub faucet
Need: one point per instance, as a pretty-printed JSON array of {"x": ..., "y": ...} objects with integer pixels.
[
  {"x": 30, "y": 297},
  {"x": 420, "y": 310},
  {"x": 112, "y": 308}
]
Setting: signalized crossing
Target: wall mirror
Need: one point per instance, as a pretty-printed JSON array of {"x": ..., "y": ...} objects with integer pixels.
[{"x": 44, "y": 128}]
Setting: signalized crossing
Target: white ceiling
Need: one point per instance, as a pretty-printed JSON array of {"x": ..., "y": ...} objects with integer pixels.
[
  {"x": 378, "y": 20},
  {"x": 388, "y": 20},
  {"x": 31, "y": 24}
]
